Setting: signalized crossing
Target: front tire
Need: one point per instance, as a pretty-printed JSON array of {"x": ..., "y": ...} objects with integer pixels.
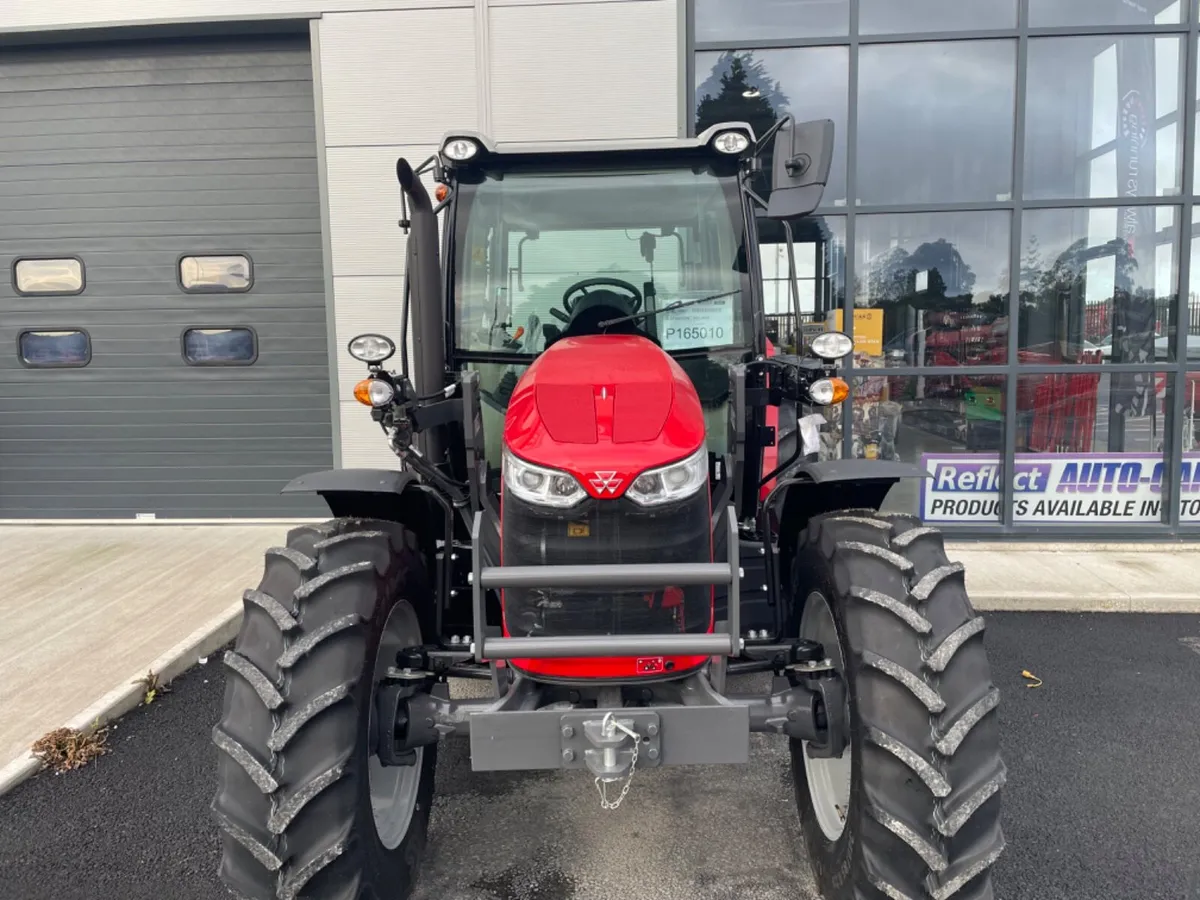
[
  {"x": 912, "y": 810},
  {"x": 304, "y": 808}
]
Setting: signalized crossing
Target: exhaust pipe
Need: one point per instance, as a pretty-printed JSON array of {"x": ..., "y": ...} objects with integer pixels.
[{"x": 423, "y": 272}]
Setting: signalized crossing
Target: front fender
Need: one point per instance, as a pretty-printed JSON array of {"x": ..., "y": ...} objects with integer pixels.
[
  {"x": 862, "y": 471},
  {"x": 813, "y": 488},
  {"x": 351, "y": 481},
  {"x": 373, "y": 494}
]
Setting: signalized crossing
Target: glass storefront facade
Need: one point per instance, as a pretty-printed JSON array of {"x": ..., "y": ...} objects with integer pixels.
[{"x": 1003, "y": 233}]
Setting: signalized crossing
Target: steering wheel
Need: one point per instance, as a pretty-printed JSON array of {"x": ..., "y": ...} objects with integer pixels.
[{"x": 582, "y": 286}]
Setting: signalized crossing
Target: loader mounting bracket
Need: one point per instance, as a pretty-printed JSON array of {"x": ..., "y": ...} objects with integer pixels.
[
  {"x": 831, "y": 720},
  {"x": 392, "y": 724}
]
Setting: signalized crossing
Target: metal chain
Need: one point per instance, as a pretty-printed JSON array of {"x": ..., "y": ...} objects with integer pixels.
[{"x": 601, "y": 786}]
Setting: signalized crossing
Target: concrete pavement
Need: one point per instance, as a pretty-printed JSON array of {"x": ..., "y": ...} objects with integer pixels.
[
  {"x": 1081, "y": 577},
  {"x": 88, "y": 609}
]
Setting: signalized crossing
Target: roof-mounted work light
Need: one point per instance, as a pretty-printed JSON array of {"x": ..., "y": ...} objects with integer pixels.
[
  {"x": 731, "y": 142},
  {"x": 460, "y": 149}
]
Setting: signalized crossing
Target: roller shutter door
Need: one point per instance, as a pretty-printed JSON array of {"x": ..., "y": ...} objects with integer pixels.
[{"x": 163, "y": 344}]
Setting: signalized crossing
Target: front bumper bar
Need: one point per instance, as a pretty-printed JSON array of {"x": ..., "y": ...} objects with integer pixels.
[
  {"x": 689, "y": 723},
  {"x": 612, "y": 576}
]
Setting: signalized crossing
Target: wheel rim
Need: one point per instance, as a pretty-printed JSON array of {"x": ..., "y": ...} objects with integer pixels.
[
  {"x": 394, "y": 788},
  {"x": 828, "y": 779}
]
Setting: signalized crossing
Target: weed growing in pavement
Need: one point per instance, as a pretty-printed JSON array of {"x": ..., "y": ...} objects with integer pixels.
[
  {"x": 151, "y": 687},
  {"x": 67, "y": 748}
]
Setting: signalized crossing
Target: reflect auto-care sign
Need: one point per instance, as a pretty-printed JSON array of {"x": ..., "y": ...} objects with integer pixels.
[{"x": 1055, "y": 488}]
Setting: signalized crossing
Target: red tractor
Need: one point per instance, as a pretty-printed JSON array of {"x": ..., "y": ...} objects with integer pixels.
[{"x": 581, "y": 517}]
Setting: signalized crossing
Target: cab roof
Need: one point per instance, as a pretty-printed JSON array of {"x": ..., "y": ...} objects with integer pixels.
[{"x": 508, "y": 152}]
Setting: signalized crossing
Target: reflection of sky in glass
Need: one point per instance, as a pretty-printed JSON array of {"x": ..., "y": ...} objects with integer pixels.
[
  {"x": 1196, "y": 150},
  {"x": 1046, "y": 13},
  {"x": 725, "y": 20},
  {"x": 1195, "y": 249},
  {"x": 913, "y": 16},
  {"x": 1073, "y": 119},
  {"x": 1104, "y": 97},
  {"x": 935, "y": 121}
]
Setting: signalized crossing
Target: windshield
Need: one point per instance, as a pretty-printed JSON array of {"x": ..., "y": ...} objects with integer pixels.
[{"x": 524, "y": 240}]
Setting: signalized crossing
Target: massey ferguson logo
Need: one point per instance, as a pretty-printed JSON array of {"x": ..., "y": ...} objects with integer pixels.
[{"x": 606, "y": 482}]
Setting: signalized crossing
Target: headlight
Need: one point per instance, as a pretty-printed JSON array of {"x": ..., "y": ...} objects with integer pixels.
[
  {"x": 673, "y": 482},
  {"x": 373, "y": 392},
  {"x": 380, "y": 393},
  {"x": 828, "y": 391},
  {"x": 371, "y": 348},
  {"x": 731, "y": 142},
  {"x": 831, "y": 345},
  {"x": 545, "y": 487},
  {"x": 460, "y": 149}
]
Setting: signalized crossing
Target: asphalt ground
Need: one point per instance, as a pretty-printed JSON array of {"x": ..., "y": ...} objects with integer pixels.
[{"x": 1102, "y": 802}]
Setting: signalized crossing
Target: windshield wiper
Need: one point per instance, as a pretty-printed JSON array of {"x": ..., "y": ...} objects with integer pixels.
[{"x": 678, "y": 304}]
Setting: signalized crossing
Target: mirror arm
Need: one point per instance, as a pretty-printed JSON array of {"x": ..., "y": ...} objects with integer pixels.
[
  {"x": 405, "y": 221},
  {"x": 761, "y": 143},
  {"x": 430, "y": 163},
  {"x": 753, "y": 196},
  {"x": 793, "y": 287}
]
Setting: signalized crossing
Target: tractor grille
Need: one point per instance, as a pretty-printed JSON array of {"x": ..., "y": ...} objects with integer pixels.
[{"x": 606, "y": 532}]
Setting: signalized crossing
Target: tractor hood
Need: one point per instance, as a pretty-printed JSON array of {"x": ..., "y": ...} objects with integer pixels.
[{"x": 604, "y": 408}]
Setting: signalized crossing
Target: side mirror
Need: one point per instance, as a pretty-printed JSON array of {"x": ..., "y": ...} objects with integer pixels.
[{"x": 803, "y": 155}]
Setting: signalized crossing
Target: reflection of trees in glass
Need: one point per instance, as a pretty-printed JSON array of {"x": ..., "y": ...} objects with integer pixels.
[
  {"x": 931, "y": 310},
  {"x": 739, "y": 89},
  {"x": 892, "y": 277},
  {"x": 1053, "y": 295},
  {"x": 1069, "y": 270}
]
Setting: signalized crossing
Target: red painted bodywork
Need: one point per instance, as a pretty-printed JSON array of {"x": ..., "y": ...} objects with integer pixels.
[
  {"x": 604, "y": 403},
  {"x": 604, "y": 408}
]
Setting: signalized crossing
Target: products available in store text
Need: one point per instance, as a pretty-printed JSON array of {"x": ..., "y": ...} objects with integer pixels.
[{"x": 1052, "y": 488}]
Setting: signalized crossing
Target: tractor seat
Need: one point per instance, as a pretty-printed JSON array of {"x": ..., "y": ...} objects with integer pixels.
[{"x": 592, "y": 309}]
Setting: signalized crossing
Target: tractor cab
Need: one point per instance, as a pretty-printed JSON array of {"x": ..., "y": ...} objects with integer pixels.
[{"x": 650, "y": 242}]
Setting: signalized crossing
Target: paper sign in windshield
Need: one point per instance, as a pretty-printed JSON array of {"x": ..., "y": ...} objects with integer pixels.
[{"x": 708, "y": 324}]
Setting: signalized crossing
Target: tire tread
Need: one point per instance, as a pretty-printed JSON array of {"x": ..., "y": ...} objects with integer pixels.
[
  {"x": 270, "y": 771},
  {"x": 916, "y": 644}
]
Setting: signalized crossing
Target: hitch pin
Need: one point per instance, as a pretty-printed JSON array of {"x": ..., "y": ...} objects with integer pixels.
[{"x": 610, "y": 725}]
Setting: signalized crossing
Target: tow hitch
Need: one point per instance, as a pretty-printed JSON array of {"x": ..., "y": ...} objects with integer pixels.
[{"x": 611, "y": 745}]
